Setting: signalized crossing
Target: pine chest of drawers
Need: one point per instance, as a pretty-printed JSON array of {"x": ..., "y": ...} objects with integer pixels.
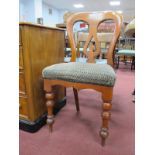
[{"x": 39, "y": 46}]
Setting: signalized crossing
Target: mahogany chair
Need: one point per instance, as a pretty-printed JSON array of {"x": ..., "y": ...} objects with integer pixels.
[{"x": 100, "y": 77}]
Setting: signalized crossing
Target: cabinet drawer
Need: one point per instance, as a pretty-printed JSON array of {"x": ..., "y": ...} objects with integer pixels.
[
  {"x": 22, "y": 87},
  {"x": 21, "y": 64},
  {"x": 23, "y": 106}
]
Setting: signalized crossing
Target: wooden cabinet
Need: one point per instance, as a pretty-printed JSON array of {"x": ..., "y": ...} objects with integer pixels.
[{"x": 39, "y": 46}]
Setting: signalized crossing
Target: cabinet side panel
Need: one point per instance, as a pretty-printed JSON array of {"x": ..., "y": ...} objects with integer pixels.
[
  {"x": 46, "y": 47},
  {"x": 27, "y": 69}
]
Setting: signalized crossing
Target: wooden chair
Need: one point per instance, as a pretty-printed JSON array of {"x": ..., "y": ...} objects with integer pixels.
[{"x": 100, "y": 77}]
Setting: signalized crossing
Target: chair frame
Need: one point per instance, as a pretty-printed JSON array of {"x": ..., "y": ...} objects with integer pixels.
[{"x": 93, "y": 20}]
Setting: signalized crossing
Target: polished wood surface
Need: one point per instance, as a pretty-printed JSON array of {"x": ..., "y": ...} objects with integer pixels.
[
  {"x": 41, "y": 26},
  {"x": 93, "y": 20},
  {"x": 39, "y": 46},
  {"x": 108, "y": 90}
]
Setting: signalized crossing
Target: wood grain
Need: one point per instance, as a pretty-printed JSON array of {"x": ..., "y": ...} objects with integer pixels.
[{"x": 40, "y": 46}]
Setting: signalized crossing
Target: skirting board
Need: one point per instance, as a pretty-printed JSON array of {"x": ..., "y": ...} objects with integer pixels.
[{"x": 41, "y": 121}]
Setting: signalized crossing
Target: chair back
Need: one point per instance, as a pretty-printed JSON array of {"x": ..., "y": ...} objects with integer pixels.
[{"x": 93, "y": 20}]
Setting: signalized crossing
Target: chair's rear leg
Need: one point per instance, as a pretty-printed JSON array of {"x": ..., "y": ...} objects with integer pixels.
[
  {"x": 106, "y": 106},
  {"x": 50, "y": 105},
  {"x": 118, "y": 59},
  {"x": 76, "y": 99}
]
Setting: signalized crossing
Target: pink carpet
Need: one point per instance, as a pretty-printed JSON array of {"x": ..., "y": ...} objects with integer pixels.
[{"x": 78, "y": 134}]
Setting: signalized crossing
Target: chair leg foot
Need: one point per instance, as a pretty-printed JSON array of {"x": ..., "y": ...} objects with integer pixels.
[
  {"x": 50, "y": 121},
  {"x": 50, "y": 105},
  {"x": 105, "y": 122},
  {"x": 104, "y": 134}
]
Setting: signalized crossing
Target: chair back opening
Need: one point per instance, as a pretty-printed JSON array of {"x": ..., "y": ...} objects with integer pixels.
[{"x": 93, "y": 38}]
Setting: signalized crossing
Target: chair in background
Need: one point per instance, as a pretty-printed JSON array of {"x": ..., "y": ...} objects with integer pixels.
[
  {"x": 100, "y": 77},
  {"x": 126, "y": 54},
  {"x": 127, "y": 51}
]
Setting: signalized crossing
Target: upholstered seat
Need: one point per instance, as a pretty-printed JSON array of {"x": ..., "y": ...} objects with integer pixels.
[
  {"x": 98, "y": 74},
  {"x": 126, "y": 52}
]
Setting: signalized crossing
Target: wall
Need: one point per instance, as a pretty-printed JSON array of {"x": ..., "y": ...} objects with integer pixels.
[
  {"x": 30, "y": 10},
  {"x": 51, "y": 19},
  {"x": 61, "y": 14},
  {"x": 26, "y": 11},
  {"x": 21, "y": 11},
  {"x": 38, "y": 9}
]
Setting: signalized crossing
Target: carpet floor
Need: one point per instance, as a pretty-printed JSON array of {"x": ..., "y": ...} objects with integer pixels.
[{"x": 78, "y": 134}]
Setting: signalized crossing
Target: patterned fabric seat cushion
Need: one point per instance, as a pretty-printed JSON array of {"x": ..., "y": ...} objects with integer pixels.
[{"x": 99, "y": 74}]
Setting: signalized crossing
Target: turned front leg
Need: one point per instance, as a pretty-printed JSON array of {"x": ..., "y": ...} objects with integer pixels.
[
  {"x": 105, "y": 120},
  {"x": 50, "y": 105}
]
